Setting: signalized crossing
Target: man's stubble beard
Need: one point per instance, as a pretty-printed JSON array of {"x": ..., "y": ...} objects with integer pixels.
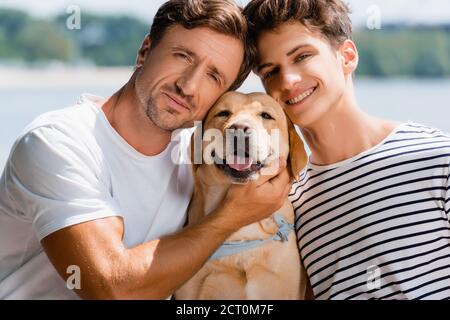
[{"x": 155, "y": 116}]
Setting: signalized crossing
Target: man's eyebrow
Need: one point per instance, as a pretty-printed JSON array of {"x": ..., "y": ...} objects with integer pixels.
[
  {"x": 291, "y": 52},
  {"x": 296, "y": 49}
]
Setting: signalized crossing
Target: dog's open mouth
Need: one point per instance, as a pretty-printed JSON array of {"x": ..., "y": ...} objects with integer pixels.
[{"x": 239, "y": 166}]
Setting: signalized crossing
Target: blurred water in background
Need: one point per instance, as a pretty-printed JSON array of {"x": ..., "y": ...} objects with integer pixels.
[
  {"x": 396, "y": 38},
  {"x": 422, "y": 101}
]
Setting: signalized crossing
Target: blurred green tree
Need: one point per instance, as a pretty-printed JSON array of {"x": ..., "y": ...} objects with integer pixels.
[{"x": 393, "y": 51}]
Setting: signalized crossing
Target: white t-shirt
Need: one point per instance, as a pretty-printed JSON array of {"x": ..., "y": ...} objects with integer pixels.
[{"x": 70, "y": 166}]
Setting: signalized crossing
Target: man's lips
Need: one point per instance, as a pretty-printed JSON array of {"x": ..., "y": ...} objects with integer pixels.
[
  {"x": 178, "y": 103},
  {"x": 297, "y": 93}
]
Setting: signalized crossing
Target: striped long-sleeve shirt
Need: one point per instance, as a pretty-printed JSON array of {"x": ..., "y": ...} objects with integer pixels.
[{"x": 376, "y": 226}]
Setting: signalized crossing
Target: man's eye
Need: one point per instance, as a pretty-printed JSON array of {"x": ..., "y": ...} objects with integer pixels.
[
  {"x": 223, "y": 113},
  {"x": 302, "y": 57},
  {"x": 266, "y": 116},
  {"x": 183, "y": 56},
  {"x": 269, "y": 74},
  {"x": 214, "y": 77}
]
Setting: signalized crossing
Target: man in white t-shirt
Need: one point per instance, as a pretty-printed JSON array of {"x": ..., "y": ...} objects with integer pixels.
[{"x": 92, "y": 192}]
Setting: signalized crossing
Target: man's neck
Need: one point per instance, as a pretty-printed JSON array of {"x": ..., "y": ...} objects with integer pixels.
[
  {"x": 345, "y": 132},
  {"x": 128, "y": 118}
]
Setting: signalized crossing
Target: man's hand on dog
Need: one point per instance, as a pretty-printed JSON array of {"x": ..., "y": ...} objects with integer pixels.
[{"x": 257, "y": 200}]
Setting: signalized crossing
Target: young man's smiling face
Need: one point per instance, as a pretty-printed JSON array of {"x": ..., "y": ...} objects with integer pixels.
[
  {"x": 185, "y": 73},
  {"x": 302, "y": 71}
]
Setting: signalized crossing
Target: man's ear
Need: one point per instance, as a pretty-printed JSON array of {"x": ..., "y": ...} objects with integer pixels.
[
  {"x": 143, "y": 51},
  {"x": 297, "y": 153},
  {"x": 350, "y": 56}
]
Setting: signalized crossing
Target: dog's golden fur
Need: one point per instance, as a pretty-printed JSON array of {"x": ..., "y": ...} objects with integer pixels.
[{"x": 270, "y": 271}]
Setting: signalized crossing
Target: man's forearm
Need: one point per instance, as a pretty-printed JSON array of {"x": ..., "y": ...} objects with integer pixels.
[{"x": 157, "y": 268}]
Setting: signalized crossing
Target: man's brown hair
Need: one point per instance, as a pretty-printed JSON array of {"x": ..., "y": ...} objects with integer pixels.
[
  {"x": 223, "y": 16},
  {"x": 329, "y": 18}
]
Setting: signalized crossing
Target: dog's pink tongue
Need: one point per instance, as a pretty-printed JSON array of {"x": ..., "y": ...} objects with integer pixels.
[{"x": 240, "y": 164}]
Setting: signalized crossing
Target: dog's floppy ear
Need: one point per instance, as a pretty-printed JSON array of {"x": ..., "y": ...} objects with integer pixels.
[
  {"x": 297, "y": 153},
  {"x": 196, "y": 155}
]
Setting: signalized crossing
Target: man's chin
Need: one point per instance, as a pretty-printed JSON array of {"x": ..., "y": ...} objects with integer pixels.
[
  {"x": 170, "y": 123},
  {"x": 306, "y": 118},
  {"x": 170, "y": 127},
  {"x": 187, "y": 124}
]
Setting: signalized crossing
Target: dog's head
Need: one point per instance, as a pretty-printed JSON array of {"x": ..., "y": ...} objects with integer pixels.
[{"x": 241, "y": 134}]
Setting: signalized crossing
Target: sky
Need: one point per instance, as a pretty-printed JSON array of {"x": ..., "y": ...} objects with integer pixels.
[{"x": 406, "y": 11}]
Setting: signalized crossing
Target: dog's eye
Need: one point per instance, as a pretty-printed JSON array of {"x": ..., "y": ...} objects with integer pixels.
[
  {"x": 223, "y": 113},
  {"x": 267, "y": 116}
]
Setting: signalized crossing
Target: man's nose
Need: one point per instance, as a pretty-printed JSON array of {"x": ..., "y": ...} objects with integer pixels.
[
  {"x": 289, "y": 79},
  {"x": 189, "y": 82}
]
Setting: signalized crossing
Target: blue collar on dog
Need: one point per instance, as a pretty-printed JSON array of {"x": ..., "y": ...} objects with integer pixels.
[{"x": 233, "y": 247}]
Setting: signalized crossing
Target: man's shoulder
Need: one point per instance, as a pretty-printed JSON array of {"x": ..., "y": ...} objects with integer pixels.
[
  {"x": 417, "y": 130},
  {"x": 408, "y": 141},
  {"x": 419, "y": 137},
  {"x": 63, "y": 132},
  {"x": 71, "y": 121},
  {"x": 77, "y": 116}
]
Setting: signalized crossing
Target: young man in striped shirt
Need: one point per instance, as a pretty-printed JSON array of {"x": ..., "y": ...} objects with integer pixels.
[{"x": 372, "y": 206}]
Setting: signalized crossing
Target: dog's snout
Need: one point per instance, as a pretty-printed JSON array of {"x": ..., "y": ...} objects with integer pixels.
[
  {"x": 241, "y": 144},
  {"x": 240, "y": 126}
]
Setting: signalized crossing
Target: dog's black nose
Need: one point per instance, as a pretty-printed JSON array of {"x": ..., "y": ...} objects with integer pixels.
[{"x": 239, "y": 126}]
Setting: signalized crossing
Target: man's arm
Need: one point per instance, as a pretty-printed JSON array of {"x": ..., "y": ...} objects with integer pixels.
[{"x": 155, "y": 269}]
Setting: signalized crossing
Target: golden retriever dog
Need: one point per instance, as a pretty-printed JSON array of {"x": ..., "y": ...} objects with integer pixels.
[{"x": 270, "y": 269}]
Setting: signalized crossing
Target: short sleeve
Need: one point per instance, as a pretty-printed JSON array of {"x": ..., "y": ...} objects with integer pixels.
[{"x": 54, "y": 181}]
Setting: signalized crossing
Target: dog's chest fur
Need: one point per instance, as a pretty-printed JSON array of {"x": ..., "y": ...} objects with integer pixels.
[{"x": 250, "y": 274}]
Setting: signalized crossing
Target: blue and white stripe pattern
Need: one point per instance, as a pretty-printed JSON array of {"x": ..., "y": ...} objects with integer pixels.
[{"x": 386, "y": 209}]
